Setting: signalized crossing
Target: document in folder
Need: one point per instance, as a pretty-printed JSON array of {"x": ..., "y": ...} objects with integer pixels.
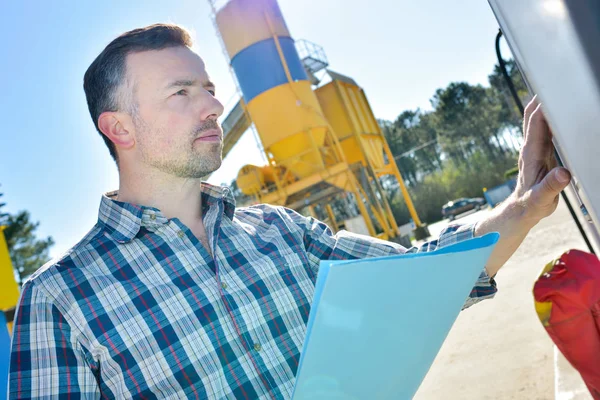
[{"x": 377, "y": 324}]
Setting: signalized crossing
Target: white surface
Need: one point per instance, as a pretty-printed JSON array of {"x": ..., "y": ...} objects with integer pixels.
[
  {"x": 568, "y": 382},
  {"x": 357, "y": 225},
  {"x": 543, "y": 40},
  {"x": 406, "y": 229}
]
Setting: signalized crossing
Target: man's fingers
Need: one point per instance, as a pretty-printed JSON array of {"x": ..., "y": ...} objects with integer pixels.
[
  {"x": 553, "y": 183},
  {"x": 537, "y": 126},
  {"x": 533, "y": 104}
]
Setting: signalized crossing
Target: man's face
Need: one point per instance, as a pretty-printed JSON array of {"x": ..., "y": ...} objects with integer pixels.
[{"x": 175, "y": 113}]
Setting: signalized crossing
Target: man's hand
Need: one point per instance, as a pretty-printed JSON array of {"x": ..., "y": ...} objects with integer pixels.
[
  {"x": 536, "y": 195},
  {"x": 540, "y": 181}
]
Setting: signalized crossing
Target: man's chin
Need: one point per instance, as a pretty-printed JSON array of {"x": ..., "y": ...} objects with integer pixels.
[
  {"x": 209, "y": 169},
  {"x": 209, "y": 148}
]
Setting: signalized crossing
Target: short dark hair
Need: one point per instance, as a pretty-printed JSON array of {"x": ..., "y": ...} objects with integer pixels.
[{"x": 106, "y": 76}]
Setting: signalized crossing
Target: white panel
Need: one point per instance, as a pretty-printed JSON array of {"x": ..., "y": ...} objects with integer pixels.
[{"x": 546, "y": 38}]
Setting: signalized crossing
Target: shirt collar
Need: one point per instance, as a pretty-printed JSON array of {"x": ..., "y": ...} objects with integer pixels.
[{"x": 122, "y": 221}]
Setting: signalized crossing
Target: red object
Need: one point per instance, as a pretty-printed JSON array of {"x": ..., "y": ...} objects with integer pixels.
[{"x": 567, "y": 298}]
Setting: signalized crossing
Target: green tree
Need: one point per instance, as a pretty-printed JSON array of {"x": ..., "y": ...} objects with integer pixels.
[
  {"x": 468, "y": 129},
  {"x": 27, "y": 252},
  {"x": 509, "y": 113},
  {"x": 400, "y": 140},
  {"x": 411, "y": 130},
  {"x": 429, "y": 158},
  {"x": 454, "y": 181},
  {"x": 509, "y": 116},
  {"x": 467, "y": 120}
]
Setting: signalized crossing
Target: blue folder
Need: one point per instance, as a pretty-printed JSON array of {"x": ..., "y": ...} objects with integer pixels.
[{"x": 377, "y": 324}]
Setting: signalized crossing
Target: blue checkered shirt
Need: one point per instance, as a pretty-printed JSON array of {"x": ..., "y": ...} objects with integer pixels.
[{"x": 139, "y": 308}]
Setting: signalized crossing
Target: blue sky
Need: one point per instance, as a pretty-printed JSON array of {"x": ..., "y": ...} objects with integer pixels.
[{"x": 54, "y": 164}]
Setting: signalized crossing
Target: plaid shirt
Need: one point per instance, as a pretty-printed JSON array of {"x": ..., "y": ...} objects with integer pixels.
[{"x": 140, "y": 309}]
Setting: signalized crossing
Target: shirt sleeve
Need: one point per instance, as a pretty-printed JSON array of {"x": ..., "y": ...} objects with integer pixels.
[
  {"x": 485, "y": 287},
  {"x": 322, "y": 244},
  {"x": 46, "y": 359}
]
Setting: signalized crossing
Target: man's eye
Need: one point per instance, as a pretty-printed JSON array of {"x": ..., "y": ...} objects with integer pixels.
[
  {"x": 212, "y": 92},
  {"x": 182, "y": 92}
]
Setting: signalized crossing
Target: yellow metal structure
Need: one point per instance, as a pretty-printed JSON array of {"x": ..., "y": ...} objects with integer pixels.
[
  {"x": 253, "y": 179},
  {"x": 321, "y": 144},
  {"x": 9, "y": 290},
  {"x": 289, "y": 121},
  {"x": 346, "y": 108}
]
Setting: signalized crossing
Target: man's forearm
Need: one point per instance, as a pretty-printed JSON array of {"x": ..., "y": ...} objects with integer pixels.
[{"x": 510, "y": 220}]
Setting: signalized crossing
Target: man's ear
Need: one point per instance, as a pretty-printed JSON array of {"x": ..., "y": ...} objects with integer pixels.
[{"x": 116, "y": 127}]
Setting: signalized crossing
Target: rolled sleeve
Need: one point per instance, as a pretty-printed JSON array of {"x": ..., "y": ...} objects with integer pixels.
[
  {"x": 485, "y": 287},
  {"x": 451, "y": 235},
  {"x": 322, "y": 244}
]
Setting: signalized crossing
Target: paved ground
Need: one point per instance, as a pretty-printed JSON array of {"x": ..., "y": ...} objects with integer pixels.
[{"x": 498, "y": 349}]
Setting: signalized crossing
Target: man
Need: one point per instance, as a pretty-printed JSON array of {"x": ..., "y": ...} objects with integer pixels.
[{"x": 175, "y": 293}]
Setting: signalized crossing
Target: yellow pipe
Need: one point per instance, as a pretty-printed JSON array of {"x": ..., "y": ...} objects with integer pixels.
[
  {"x": 393, "y": 232},
  {"x": 405, "y": 194},
  {"x": 337, "y": 146},
  {"x": 281, "y": 56},
  {"x": 377, "y": 212},
  {"x": 306, "y": 182},
  {"x": 361, "y": 205},
  {"x": 388, "y": 218},
  {"x": 386, "y": 204},
  {"x": 390, "y": 214}
]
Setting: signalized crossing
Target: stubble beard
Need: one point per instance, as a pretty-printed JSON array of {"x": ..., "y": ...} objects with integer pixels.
[{"x": 198, "y": 159}]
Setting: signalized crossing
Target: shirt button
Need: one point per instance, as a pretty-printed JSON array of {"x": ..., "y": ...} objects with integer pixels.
[
  {"x": 181, "y": 234},
  {"x": 152, "y": 217},
  {"x": 224, "y": 285},
  {"x": 257, "y": 347}
]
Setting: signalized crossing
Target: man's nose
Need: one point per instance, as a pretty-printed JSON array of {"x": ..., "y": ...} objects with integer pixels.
[{"x": 212, "y": 108}]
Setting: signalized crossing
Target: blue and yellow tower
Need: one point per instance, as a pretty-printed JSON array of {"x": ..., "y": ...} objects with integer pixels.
[
  {"x": 274, "y": 84},
  {"x": 309, "y": 159}
]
